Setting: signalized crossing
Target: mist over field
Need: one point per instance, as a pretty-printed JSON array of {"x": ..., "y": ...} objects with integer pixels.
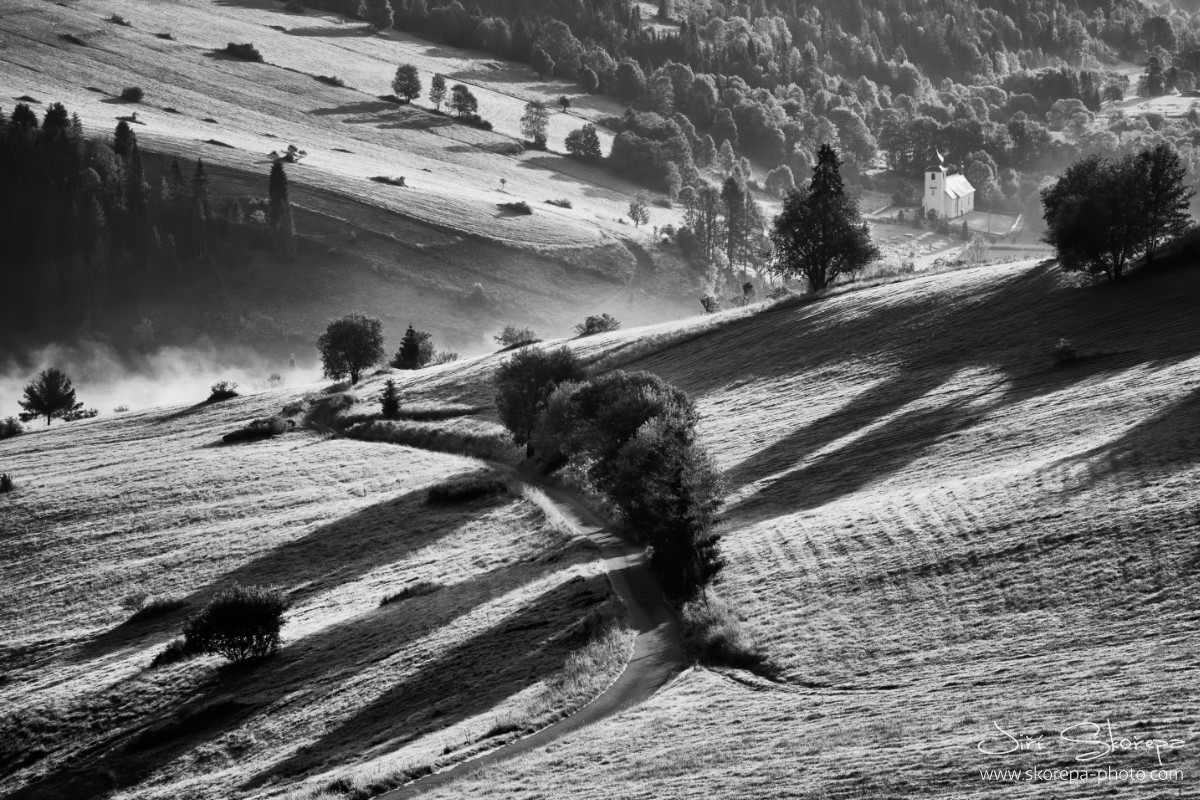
[{"x": 105, "y": 378}]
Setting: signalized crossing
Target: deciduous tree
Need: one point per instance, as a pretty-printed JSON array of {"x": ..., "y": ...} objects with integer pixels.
[
  {"x": 351, "y": 345},
  {"x": 407, "y": 82}
]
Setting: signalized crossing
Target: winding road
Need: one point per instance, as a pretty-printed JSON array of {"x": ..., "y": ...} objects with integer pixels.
[{"x": 657, "y": 650}]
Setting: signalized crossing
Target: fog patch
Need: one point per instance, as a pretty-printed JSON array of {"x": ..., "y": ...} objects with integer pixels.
[{"x": 105, "y": 378}]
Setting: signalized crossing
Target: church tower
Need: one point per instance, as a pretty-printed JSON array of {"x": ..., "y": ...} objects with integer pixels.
[{"x": 935, "y": 186}]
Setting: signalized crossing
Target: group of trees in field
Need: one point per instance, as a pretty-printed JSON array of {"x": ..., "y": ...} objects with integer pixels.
[
  {"x": 355, "y": 343},
  {"x": 1103, "y": 213},
  {"x": 459, "y": 99},
  {"x": 86, "y": 224},
  {"x": 633, "y": 438}
]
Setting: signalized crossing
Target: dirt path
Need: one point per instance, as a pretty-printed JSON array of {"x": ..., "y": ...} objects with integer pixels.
[{"x": 657, "y": 651}]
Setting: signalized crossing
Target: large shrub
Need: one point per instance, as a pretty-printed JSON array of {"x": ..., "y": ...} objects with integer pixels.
[
  {"x": 633, "y": 436},
  {"x": 241, "y": 622},
  {"x": 222, "y": 390},
  {"x": 513, "y": 337},
  {"x": 265, "y": 428},
  {"x": 599, "y": 323},
  {"x": 246, "y": 51},
  {"x": 526, "y": 381},
  {"x": 10, "y": 427},
  {"x": 465, "y": 488},
  {"x": 592, "y": 421}
]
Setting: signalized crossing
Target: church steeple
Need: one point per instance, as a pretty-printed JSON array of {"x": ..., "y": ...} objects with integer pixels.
[{"x": 935, "y": 185}]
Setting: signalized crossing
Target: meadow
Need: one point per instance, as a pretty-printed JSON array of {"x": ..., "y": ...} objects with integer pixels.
[{"x": 933, "y": 528}]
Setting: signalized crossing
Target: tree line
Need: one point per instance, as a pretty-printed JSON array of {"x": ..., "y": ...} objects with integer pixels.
[{"x": 84, "y": 224}]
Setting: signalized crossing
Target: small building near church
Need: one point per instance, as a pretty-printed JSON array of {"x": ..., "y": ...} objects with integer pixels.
[{"x": 948, "y": 196}]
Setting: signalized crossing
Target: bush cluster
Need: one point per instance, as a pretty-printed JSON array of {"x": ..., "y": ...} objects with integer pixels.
[
  {"x": 634, "y": 437},
  {"x": 241, "y": 622},
  {"x": 157, "y": 607},
  {"x": 1064, "y": 352},
  {"x": 265, "y": 428},
  {"x": 10, "y": 427},
  {"x": 132, "y": 94},
  {"x": 222, "y": 390},
  {"x": 246, "y": 51},
  {"x": 516, "y": 207},
  {"x": 465, "y": 488},
  {"x": 524, "y": 384},
  {"x": 6, "y": 483},
  {"x": 512, "y": 337},
  {"x": 601, "y": 323}
]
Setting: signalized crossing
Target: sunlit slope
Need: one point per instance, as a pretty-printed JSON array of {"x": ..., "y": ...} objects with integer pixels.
[
  {"x": 424, "y": 245},
  {"x": 932, "y": 527},
  {"x": 152, "y": 504},
  {"x": 452, "y": 170}
]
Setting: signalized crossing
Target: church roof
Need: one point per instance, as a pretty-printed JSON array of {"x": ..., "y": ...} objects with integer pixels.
[{"x": 958, "y": 186}]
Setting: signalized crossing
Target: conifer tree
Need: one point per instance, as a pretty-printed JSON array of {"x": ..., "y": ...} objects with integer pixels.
[
  {"x": 390, "y": 401},
  {"x": 409, "y": 354},
  {"x": 23, "y": 118},
  {"x": 49, "y": 395},
  {"x": 820, "y": 235},
  {"x": 201, "y": 210},
  {"x": 277, "y": 194},
  {"x": 124, "y": 140}
]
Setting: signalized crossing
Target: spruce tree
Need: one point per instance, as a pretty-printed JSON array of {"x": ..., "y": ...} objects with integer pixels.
[
  {"x": 23, "y": 118},
  {"x": 820, "y": 235},
  {"x": 409, "y": 354},
  {"x": 277, "y": 194},
  {"x": 124, "y": 140},
  {"x": 390, "y": 401}
]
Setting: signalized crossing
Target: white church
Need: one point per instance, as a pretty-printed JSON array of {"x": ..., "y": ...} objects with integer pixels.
[{"x": 948, "y": 196}]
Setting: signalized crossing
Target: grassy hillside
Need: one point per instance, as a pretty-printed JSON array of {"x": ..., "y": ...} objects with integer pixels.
[
  {"x": 932, "y": 528},
  {"x": 505, "y": 629},
  {"x": 408, "y": 254}
]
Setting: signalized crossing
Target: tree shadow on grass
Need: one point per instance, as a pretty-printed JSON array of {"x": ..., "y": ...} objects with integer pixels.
[
  {"x": 465, "y": 680},
  {"x": 364, "y": 107},
  {"x": 923, "y": 341},
  {"x": 1169, "y": 440},
  {"x": 326, "y": 557},
  {"x": 333, "y": 33}
]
